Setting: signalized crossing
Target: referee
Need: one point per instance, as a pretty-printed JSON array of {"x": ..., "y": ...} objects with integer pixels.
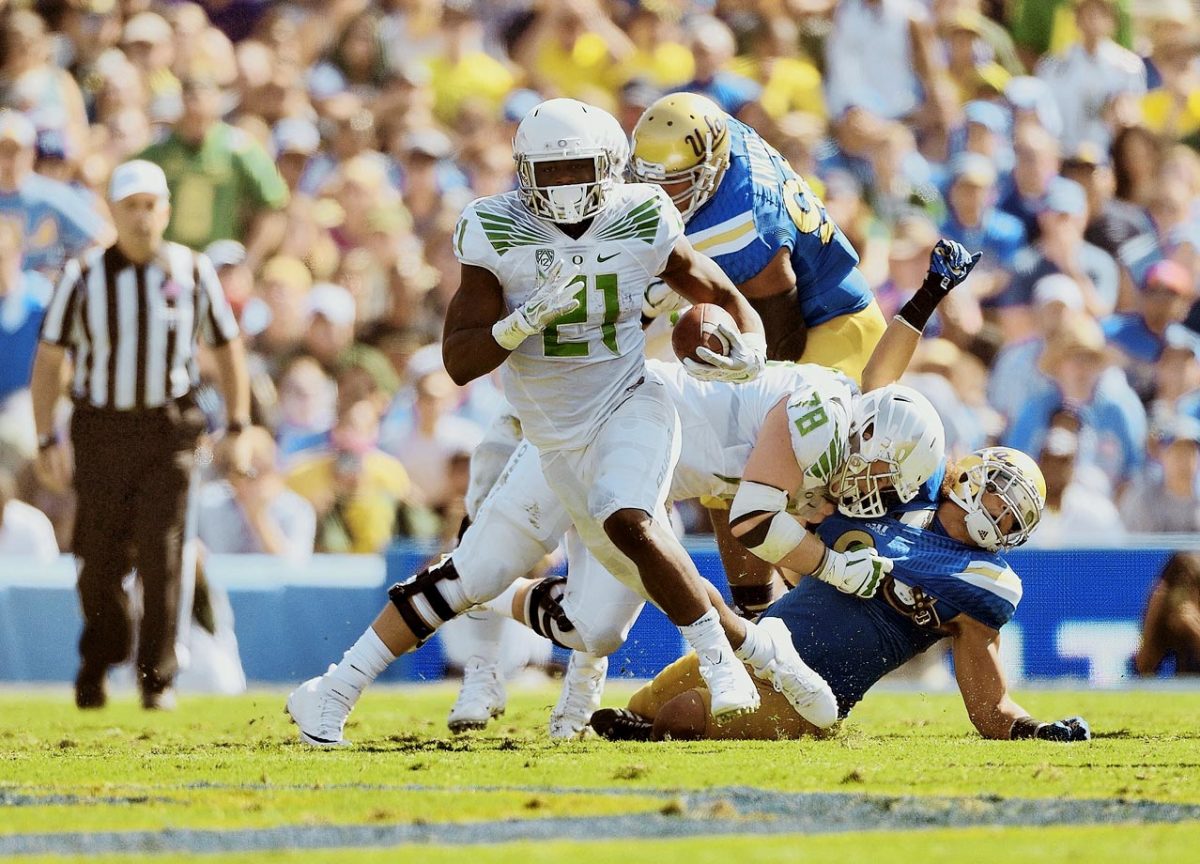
[{"x": 131, "y": 317}]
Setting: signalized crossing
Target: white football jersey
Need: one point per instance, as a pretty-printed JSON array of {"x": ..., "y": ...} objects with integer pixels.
[
  {"x": 565, "y": 381},
  {"x": 720, "y": 423}
]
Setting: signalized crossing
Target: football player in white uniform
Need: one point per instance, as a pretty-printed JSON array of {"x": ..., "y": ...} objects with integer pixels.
[{"x": 553, "y": 279}]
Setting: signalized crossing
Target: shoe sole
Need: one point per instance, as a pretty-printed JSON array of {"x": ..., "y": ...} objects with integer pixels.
[
  {"x": 458, "y": 727},
  {"x": 311, "y": 740},
  {"x": 736, "y": 711}
]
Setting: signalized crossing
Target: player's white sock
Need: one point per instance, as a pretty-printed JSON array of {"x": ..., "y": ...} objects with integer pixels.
[
  {"x": 502, "y": 604},
  {"x": 363, "y": 663},
  {"x": 705, "y": 633},
  {"x": 756, "y": 649}
]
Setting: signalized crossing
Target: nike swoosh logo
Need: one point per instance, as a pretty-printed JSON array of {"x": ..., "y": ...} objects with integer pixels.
[{"x": 600, "y": 259}]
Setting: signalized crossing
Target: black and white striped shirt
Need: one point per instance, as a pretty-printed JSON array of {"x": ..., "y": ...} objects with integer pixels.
[{"x": 133, "y": 329}]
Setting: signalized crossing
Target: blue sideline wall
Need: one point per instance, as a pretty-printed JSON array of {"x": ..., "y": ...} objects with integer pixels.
[{"x": 1079, "y": 617}]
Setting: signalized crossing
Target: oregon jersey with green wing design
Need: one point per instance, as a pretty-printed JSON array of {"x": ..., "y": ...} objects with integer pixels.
[
  {"x": 564, "y": 382},
  {"x": 818, "y": 414},
  {"x": 720, "y": 423}
]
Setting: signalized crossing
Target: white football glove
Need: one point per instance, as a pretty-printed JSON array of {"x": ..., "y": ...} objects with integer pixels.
[
  {"x": 857, "y": 572},
  {"x": 661, "y": 299},
  {"x": 747, "y": 357},
  {"x": 553, "y": 298}
]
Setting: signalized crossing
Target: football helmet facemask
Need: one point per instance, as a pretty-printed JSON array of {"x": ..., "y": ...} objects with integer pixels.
[
  {"x": 1013, "y": 476},
  {"x": 562, "y": 130},
  {"x": 898, "y": 428}
]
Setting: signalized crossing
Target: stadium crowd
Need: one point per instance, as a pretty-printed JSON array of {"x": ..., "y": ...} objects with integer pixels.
[{"x": 321, "y": 152}]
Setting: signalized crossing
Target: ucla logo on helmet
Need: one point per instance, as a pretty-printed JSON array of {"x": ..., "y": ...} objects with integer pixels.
[{"x": 702, "y": 144}]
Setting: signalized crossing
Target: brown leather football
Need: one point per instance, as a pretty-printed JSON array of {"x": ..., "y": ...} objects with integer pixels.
[{"x": 698, "y": 326}]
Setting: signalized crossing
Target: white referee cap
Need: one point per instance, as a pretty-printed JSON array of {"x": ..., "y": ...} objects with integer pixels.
[{"x": 137, "y": 177}]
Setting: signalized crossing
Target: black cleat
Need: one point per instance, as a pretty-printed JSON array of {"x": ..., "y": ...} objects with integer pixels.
[
  {"x": 621, "y": 724},
  {"x": 90, "y": 692},
  {"x": 159, "y": 700}
]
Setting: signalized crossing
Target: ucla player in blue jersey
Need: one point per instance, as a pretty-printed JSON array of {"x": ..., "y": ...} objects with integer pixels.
[
  {"x": 948, "y": 580},
  {"x": 744, "y": 207}
]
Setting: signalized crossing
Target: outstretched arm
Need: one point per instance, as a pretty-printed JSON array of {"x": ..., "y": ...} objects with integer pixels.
[
  {"x": 949, "y": 264},
  {"x": 984, "y": 690}
]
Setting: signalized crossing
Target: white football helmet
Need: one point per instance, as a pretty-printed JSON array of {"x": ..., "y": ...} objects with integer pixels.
[
  {"x": 899, "y": 427},
  {"x": 562, "y": 130},
  {"x": 1018, "y": 481}
]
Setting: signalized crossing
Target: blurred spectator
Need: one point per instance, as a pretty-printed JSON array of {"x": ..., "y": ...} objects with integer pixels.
[
  {"x": 1162, "y": 499},
  {"x": 1170, "y": 106},
  {"x": 435, "y": 438},
  {"x": 307, "y": 407},
  {"x": 1017, "y": 374},
  {"x": 713, "y": 47},
  {"x": 58, "y": 223},
  {"x": 356, "y": 489},
  {"x": 23, "y": 299},
  {"x": 280, "y": 319},
  {"x": 1041, "y": 26},
  {"x": 986, "y": 132},
  {"x": 971, "y": 216},
  {"x": 880, "y": 54},
  {"x": 237, "y": 280},
  {"x": 357, "y": 63},
  {"x": 1095, "y": 79},
  {"x": 295, "y": 141},
  {"x": 1033, "y": 104},
  {"x": 223, "y": 184},
  {"x": 1137, "y": 154},
  {"x": 33, "y": 82},
  {"x": 913, "y": 239},
  {"x": 24, "y": 530},
  {"x": 1141, "y": 336},
  {"x": 1060, "y": 248},
  {"x": 1112, "y": 436},
  {"x": 330, "y": 329},
  {"x": 970, "y": 61},
  {"x": 252, "y": 512},
  {"x": 937, "y": 369},
  {"x": 790, "y": 80},
  {"x": 1111, "y": 222},
  {"x": 1035, "y": 164},
  {"x": 659, "y": 55},
  {"x": 149, "y": 43},
  {"x": 1171, "y": 624},
  {"x": 464, "y": 69},
  {"x": 902, "y": 182},
  {"x": 1076, "y": 514}
]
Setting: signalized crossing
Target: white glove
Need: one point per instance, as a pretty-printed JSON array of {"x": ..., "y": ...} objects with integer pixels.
[
  {"x": 746, "y": 358},
  {"x": 857, "y": 572},
  {"x": 661, "y": 299},
  {"x": 553, "y": 298}
]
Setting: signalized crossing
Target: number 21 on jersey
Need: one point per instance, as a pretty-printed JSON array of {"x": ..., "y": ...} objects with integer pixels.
[{"x": 608, "y": 302}]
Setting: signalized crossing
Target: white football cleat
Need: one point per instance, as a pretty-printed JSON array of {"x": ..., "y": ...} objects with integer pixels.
[
  {"x": 583, "y": 685},
  {"x": 481, "y": 698},
  {"x": 319, "y": 709},
  {"x": 806, "y": 691},
  {"x": 730, "y": 685}
]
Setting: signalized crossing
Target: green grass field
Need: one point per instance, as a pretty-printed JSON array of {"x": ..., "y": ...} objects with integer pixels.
[{"x": 225, "y": 777}]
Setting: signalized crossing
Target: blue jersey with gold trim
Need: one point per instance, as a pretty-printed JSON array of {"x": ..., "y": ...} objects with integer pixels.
[
  {"x": 852, "y": 643},
  {"x": 762, "y": 206},
  {"x": 944, "y": 576}
]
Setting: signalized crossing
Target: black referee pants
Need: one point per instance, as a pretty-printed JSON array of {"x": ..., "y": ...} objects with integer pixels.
[{"x": 132, "y": 473}]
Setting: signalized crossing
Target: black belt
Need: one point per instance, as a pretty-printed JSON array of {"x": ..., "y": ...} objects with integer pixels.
[{"x": 172, "y": 408}]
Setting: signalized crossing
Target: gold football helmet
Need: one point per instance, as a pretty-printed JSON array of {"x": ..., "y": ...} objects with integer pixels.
[
  {"x": 1012, "y": 475},
  {"x": 682, "y": 138}
]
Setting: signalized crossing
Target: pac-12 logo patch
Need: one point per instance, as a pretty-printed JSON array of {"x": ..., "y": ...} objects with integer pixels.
[{"x": 544, "y": 258}]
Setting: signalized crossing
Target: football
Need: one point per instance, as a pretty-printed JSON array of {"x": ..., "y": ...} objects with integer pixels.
[{"x": 698, "y": 327}]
